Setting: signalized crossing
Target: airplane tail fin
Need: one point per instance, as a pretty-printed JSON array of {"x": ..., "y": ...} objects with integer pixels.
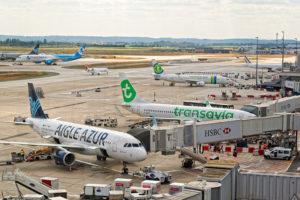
[
  {"x": 87, "y": 68},
  {"x": 157, "y": 68},
  {"x": 207, "y": 103},
  {"x": 35, "y": 106},
  {"x": 80, "y": 51},
  {"x": 128, "y": 92},
  {"x": 247, "y": 60},
  {"x": 36, "y": 49}
]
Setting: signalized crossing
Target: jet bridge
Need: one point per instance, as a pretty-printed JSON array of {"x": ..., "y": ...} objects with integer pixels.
[{"x": 221, "y": 130}]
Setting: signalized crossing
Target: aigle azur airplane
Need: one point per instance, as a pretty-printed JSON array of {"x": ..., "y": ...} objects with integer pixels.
[
  {"x": 79, "y": 138},
  {"x": 197, "y": 79},
  {"x": 50, "y": 59},
  {"x": 15, "y": 55},
  {"x": 134, "y": 103}
]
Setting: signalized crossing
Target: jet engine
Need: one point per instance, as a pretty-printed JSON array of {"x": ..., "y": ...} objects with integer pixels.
[
  {"x": 48, "y": 62},
  {"x": 200, "y": 83},
  {"x": 64, "y": 157}
]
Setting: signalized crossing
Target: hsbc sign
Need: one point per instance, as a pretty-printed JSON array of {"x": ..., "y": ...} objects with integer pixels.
[{"x": 218, "y": 131}]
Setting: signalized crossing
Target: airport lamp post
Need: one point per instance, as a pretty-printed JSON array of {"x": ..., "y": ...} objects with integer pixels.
[
  {"x": 256, "y": 62},
  {"x": 282, "y": 50},
  {"x": 296, "y": 46},
  {"x": 296, "y": 52}
]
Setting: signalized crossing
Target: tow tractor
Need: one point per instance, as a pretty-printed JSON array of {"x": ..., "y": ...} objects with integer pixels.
[
  {"x": 149, "y": 173},
  {"x": 41, "y": 154}
]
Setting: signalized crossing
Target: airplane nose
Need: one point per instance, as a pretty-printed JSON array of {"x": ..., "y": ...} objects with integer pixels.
[{"x": 142, "y": 154}]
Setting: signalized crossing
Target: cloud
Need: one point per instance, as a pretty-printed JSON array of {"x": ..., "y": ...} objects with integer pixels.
[{"x": 155, "y": 18}]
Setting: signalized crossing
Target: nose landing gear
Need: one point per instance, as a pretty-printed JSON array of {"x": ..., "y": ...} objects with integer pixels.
[{"x": 124, "y": 169}]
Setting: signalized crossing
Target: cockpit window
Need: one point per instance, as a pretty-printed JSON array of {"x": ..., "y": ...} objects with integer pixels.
[
  {"x": 125, "y": 145},
  {"x": 129, "y": 145},
  {"x": 135, "y": 145},
  {"x": 140, "y": 144}
]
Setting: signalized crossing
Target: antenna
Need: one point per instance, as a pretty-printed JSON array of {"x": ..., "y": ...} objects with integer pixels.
[{"x": 277, "y": 40}]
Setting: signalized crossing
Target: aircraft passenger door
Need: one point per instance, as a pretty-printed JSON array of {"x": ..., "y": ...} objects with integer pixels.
[
  {"x": 138, "y": 109},
  {"x": 114, "y": 146}
]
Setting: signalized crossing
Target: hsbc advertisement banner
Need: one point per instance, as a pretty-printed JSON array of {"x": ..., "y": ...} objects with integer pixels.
[{"x": 208, "y": 133}]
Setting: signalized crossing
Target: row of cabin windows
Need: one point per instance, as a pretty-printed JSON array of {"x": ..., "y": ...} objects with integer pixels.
[
  {"x": 133, "y": 145},
  {"x": 161, "y": 111}
]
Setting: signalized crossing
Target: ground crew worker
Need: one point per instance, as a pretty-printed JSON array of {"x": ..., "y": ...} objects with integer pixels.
[
  {"x": 22, "y": 153},
  {"x": 235, "y": 153},
  {"x": 265, "y": 145}
]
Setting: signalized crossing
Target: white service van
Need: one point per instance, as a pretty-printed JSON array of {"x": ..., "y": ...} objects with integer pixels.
[{"x": 278, "y": 153}]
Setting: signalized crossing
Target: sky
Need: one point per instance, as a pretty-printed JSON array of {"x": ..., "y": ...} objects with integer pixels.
[{"x": 209, "y": 19}]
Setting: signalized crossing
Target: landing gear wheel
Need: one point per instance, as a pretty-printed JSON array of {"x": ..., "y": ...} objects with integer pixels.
[
  {"x": 124, "y": 169},
  {"x": 101, "y": 158}
]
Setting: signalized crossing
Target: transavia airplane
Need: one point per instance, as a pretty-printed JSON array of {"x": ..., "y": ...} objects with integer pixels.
[
  {"x": 136, "y": 104},
  {"x": 15, "y": 55},
  {"x": 198, "y": 80},
  {"x": 50, "y": 59},
  {"x": 97, "y": 71},
  {"x": 269, "y": 66},
  {"x": 79, "y": 138}
]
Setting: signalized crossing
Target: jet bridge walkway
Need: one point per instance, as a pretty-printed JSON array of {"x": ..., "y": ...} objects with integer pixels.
[{"x": 168, "y": 138}]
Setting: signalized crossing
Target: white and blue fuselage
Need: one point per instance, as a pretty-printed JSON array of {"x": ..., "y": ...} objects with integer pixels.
[{"x": 92, "y": 140}]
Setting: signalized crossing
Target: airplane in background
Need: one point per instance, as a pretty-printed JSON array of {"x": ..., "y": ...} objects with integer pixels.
[
  {"x": 197, "y": 79},
  {"x": 79, "y": 138},
  {"x": 134, "y": 103},
  {"x": 50, "y": 59},
  {"x": 97, "y": 71},
  {"x": 15, "y": 55},
  {"x": 269, "y": 66}
]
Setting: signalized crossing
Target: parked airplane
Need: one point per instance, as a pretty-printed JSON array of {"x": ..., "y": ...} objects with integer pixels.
[
  {"x": 136, "y": 104},
  {"x": 15, "y": 55},
  {"x": 80, "y": 138},
  {"x": 269, "y": 66},
  {"x": 97, "y": 71},
  {"x": 197, "y": 79},
  {"x": 50, "y": 59}
]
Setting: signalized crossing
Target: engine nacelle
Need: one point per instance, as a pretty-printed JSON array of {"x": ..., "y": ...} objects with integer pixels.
[
  {"x": 65, "y": 158},
  {"x": 200, "y": 83},
  {"x": 48, "y": 62}
]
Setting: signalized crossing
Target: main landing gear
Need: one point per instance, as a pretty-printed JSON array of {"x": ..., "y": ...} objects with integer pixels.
[{"x": 101, "y": 158}]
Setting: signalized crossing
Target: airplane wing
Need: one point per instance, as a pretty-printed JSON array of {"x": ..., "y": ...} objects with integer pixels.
[
  {"x": 192, "y": 81},
  {"x": 87, "y": 163},
  {"x": 68, "y": 146},
  {"x": 15, "y": 122}
]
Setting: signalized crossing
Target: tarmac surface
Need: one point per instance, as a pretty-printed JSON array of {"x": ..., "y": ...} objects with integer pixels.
[{"x": 61, "y": 101}]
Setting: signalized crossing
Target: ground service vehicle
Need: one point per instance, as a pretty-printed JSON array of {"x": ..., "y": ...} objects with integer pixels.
[
  {"x": 278, "y": 153},
  {"x": 149, "y": 173}
]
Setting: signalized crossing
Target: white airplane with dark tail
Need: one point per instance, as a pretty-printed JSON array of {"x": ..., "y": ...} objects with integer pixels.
[
  {"x": 71, "y": 137},
  {"x": 271, "y": 67}
]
